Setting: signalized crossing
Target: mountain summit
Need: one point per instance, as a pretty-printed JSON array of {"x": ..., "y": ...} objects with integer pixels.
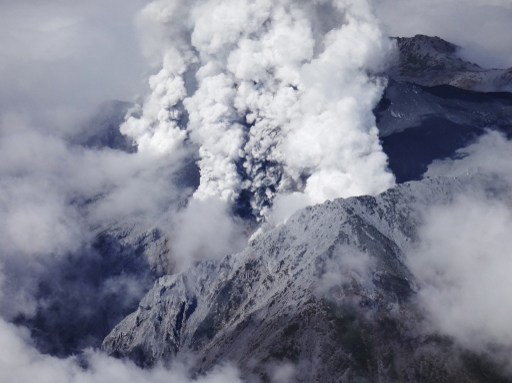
[{"x": 432, "y": 61}]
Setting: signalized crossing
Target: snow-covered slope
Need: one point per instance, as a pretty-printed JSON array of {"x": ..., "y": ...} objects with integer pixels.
[{"x": 328, "y": 292}]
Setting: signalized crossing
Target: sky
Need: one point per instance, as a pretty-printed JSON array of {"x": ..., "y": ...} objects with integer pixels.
[{"x": 60, "y": 59}]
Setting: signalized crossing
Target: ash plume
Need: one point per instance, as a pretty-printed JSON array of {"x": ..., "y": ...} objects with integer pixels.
[{"x": 273, "y": 98}]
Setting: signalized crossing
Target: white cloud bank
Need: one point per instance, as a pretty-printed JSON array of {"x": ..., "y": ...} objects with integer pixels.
[
  {"x": 20, "y": 362},
  {"x": 464, "y": 257}
]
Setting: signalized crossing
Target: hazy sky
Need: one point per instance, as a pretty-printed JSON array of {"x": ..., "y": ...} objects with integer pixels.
[{"x": 60, "y": 58}]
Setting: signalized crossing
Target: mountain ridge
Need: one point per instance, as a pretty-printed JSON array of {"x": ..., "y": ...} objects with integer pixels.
[
  {"x": 432, "y": 61},
  {"x": 264, "y": 306}
]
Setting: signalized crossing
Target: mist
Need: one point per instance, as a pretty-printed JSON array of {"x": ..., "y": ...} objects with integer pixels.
[
  {"x": 20, "y": 362},
  {"x": 463, "y": 257}
]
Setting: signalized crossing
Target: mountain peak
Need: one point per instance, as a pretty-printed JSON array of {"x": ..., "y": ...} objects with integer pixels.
[
  {"x": 425, "y": 53},
  {"x": 432, "y": 61},
  {"x": 424, "y": 42},
  {"x": 332, "y": 279}
]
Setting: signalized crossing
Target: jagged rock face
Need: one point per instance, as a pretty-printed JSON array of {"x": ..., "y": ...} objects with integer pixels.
[
  {"x": 432, "y": 61},
  {"x": 420, "y": 53},
  {"x": 328, "y": 291},
  {"x": 407, "y": 105}
]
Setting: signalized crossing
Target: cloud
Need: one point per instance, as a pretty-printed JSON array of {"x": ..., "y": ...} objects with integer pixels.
[
  {"x": 463, "y": 264},
  {"x": 20, "y": 362},
  {"x": 463, "y": 257},
  {"x": 56, "y": 197},
  {"x": 283, "y": 373},
  {"x": 488, "y": 45}
]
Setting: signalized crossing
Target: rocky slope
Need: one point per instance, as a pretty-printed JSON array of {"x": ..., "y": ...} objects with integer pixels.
[
  {"x": 432, "y": 61},
  {"x": 436, "y": 103},
  {"x": 419, "y": 124},
  {"x": 328, "y": 292}
]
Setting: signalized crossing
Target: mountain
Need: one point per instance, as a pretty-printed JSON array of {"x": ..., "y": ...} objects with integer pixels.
[
  {"x": 436, "y": 103},
  {"x": 419, "y": 124},
  {"x": 432, "y": 61},
  {"x": 102, "y": 283},
  {"x": 328, "y": 291}
]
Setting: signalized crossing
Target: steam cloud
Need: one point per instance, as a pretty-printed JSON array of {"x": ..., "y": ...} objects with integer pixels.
[{"x": 275, "y": 97}]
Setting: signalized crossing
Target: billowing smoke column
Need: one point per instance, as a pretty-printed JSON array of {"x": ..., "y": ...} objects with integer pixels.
[{"x": 275, "y": 97}]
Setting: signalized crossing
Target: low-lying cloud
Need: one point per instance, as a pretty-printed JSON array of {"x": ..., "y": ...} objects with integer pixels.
[
  {"x": 464, "y": 255},
  {"x": 20, "y": 362}
]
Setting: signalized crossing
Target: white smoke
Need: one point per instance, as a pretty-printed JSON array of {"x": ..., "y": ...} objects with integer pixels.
[
  {"x": 491, "y": 154},
  {"x": 274, "y": 97},
  {"x": 53, "y": 197}
]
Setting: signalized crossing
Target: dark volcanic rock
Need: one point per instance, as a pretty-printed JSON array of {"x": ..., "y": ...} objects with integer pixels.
[
  {"x": 432, "y": 61},
  {"x": 419, "y": 124}
]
